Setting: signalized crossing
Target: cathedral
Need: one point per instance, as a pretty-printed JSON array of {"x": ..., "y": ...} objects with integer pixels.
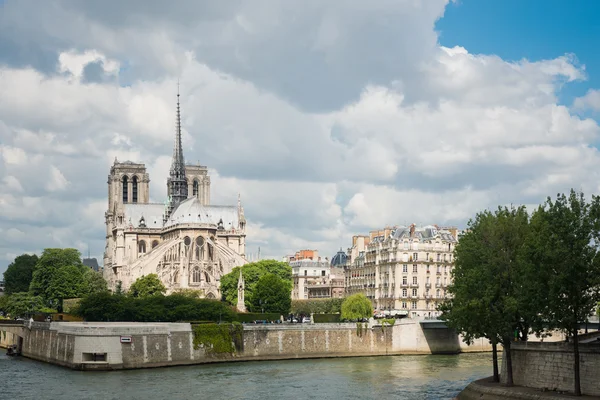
[{"x": 186, "y": 241}]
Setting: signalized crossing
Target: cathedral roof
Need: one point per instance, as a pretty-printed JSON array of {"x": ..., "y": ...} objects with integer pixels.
[
  {"x": 152, "y": 213},
  {"x": 192, "y": 211}
]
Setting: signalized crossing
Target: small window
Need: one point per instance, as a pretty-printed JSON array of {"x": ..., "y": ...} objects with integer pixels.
[
  {"x": 322, "y": 273},
  {"x": 93, "y": 357},
  {"x": 405, "y": 268},
  {"x": 404, "y": 292},
  {"x": 414, "y": 268},
  {"x": 414, "y": 280},
  {"x": 141, "y": 247},
  {"x": 414, "y": 292},
  {"x": 414, "y": 305}
]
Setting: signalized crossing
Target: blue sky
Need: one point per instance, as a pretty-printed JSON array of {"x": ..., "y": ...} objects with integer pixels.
[{"x": 532, "y": 29}]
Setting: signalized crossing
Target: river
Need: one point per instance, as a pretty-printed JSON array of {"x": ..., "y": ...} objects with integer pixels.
[{"x": 396, "y": 377}]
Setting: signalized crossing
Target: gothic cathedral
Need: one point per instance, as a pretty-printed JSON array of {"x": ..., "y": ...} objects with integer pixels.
[{"x": 186, "y": 241}]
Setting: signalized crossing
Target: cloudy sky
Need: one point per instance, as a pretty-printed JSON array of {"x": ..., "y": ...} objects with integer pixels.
[{"x": 330, "y": 118}]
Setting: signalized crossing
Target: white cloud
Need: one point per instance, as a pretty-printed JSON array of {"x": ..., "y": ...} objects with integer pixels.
[
  {"x": 591, "y": 100},
  {"x": 57, "y": 180},
  {"x": 320, "y": 142},
  {"x": 74, "y": 62}
]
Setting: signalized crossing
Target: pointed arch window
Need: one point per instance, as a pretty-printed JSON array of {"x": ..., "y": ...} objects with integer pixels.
[
  {"x": 199, "y": 251},
  {"x": 154, "y": 243},
  {"x": 142, "y": 247},
  {"x": 206, "y": 277},
  {"x": 125, "y": 189},
  {"x": 195, "y": 188},
  {"x": 196, "y": 275},
  {"x": 134, "y": 190}
]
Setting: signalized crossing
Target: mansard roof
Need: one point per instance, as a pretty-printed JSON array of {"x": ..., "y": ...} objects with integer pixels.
[
  {"x": 422, "y": 233},
  {"x": 152, "y": 213}
]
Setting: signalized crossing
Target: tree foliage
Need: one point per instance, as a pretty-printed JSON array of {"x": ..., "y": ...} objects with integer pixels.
[
  {"x": 105, "y": 306},
  {"x": 563, "y": 261},
  {"x": 146, "y": 286},
  {"x": 17, "y": 276},
  {"x": 23, "y": 304},
  {"x": 272, "y": 294},
  {"x": 317, "y": 306},
  {"x": 252, "y": 273},
  {"x": 356, "y": 306},
  {"x": 49, "y": 262},
  {"x": 486, "y": 295},
  {"x": 93, "y": 282}
]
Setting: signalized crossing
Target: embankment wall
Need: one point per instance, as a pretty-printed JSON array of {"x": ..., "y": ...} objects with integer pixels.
[
  {"x": 550, "y": 366},
  {"x": 105, "y": 346}
]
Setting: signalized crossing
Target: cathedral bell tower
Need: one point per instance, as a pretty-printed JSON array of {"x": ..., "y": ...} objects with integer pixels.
[{"x": 177, "y": 185}]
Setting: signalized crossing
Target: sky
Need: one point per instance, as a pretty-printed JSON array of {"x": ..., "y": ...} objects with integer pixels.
[{"x": 329, "y": 119}]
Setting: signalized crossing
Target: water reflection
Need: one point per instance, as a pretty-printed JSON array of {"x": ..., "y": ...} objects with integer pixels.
[{"x": 401, "y": 377}]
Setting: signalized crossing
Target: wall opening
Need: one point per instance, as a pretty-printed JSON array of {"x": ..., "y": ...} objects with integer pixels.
[{"x": 93, "y": 357}]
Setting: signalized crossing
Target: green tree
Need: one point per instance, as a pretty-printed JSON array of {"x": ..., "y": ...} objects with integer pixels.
[
  {"x": 272, "y": 295},
  {"x": 23, "y": 304},
  {"x": 148, "y": 285},
  {"x": 93, "y": 282},
  {"x": 564, "y": 262},
  {"x": 66, "y": 283},
  {"x": 17, "y": 276},
  {"x": 356, "y": 306},
  {"x": 252, "y": 273},
  {"x": 485, "y": 296},
  {"x": 49, "y": 262}
]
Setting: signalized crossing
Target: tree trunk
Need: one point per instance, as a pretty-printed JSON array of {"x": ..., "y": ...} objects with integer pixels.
[
  {"x": 495, "y": 359},
  {"x": 509, "y": 371},
  {"x": 576, "y": 360}
]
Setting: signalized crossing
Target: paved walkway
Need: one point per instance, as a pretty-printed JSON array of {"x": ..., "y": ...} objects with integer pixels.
[{"x": 487, "y": 389}]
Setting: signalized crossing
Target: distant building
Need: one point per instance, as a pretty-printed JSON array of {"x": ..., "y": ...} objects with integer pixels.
[
  {"x": 2, "y": 288},
  {"x": 403, "y": 267},
  {"x": 92, "y": 263},
  {"x": 314, "y": 277}
]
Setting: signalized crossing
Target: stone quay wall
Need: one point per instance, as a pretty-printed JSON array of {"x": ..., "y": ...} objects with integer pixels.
[
  {"x": 549, "y": 366},
  {"x": 129, "y": 345}
]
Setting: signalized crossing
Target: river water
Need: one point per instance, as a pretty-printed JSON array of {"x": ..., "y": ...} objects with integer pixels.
[{"x": 394, "y": 377}]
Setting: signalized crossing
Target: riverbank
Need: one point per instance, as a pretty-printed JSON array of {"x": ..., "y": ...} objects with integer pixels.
[
  {"x": 128, "y": 345},
  {"x": 487, "y": 389}
]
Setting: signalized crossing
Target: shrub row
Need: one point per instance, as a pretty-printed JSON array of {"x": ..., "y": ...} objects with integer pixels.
[
  {"x": 172, "y": 308},
  {"x": 326, "y": 318}
]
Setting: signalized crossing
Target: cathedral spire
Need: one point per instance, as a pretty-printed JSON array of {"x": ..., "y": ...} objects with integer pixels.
[{"x": 178, "y": 189}]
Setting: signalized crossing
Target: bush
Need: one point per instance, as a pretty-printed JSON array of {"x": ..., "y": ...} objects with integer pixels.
[
  {"x": 326, "y": 318},
  {"x": 176, "y": 307},
  {"x": 317, "y": 306},
  {"x": 251, "y": 317}
]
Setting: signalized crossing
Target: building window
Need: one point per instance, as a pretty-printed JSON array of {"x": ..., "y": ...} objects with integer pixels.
[
  {"x": 195, "y": 188},
  {"x": 322, "y": 273},
  {"x": 141, "y": 247},
  {"x": 439, "y": 269},
  {"x": 404, "y": 305},
  {"x": 437, "y": 293},
  {"x": 404, "y": 292},
  {"x": 414, "y": 292},
  {"x": 404, "y": 280},
  {"x": 134, "y": 190},
  {"x": 415, "y": 256},
  {"x": 437, "y": 280},
  {"x": 426, "y": 256},
  {"x": 414, "y": 280},
  {"x": 199, "y": 251},
  {"x": 414, "y": 268},
  {"x": 405, "y": 245},
  {"x": 414, "y": 305},
  {"x": 450, "y": 257},
  {"x": 405, "y": 268},
  {"x": 125, "y": 189},
  {"x": 438, "y": 257},
  {"x": 305, "y": 272},
  {"x": 444, "y": 257},
  {"x": 154, "y": 243},
  {"x": 196, "y": 275}
]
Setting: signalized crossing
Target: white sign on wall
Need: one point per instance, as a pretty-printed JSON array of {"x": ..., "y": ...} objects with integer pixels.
[{"x": 125, "y": 339}]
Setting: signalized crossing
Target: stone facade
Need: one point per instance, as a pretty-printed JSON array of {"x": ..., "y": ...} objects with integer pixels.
[
  {"x": 127, "y": 345},
  {"x": 313, "y": 277},
  {"x": 402, "y": 268},
  {"x": 187, "y": 241},
  {"x": 550, "y": 366}
]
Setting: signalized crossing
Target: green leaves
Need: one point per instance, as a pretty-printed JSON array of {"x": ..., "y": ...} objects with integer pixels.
[
  {"x": 146, "y": 286},
  {"x": 18, "y": 275},
  {"x": 252, "y": 272},
  {"x": 356, "y": 306},
  {"x": 272, "y": 294}
]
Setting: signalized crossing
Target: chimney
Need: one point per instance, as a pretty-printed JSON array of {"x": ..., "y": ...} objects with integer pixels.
[{"x": 412, "y": 230}]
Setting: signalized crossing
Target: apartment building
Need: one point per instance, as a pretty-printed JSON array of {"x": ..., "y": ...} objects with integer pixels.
[
  {"x": 402, "y": 268},
  {"x": 314, "y": 277}
]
